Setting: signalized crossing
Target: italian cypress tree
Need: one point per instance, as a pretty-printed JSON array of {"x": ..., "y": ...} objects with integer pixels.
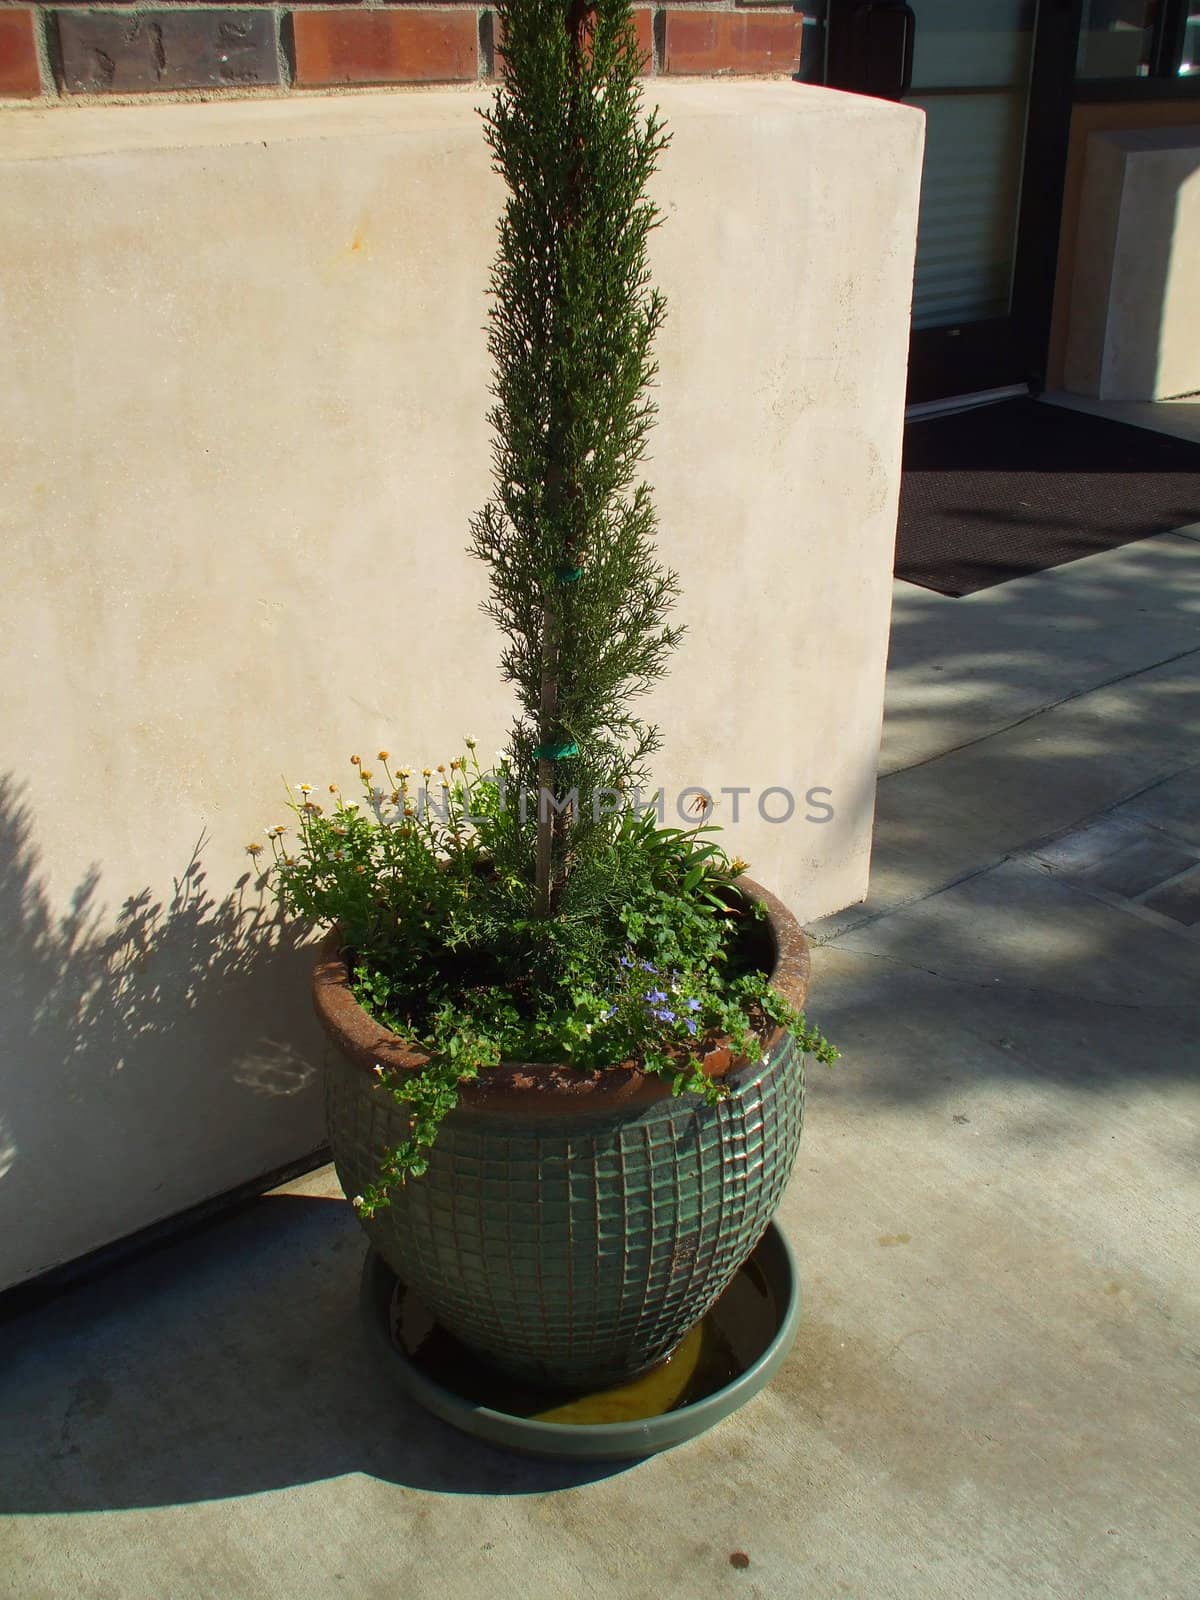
[{"x": 569, "y": 531}]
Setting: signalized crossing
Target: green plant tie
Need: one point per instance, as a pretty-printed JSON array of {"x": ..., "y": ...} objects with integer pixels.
[
  {"x": 570, "y": 574},
  {"x": 555, "y": 752}
]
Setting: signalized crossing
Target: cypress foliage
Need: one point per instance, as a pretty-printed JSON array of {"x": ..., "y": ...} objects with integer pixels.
[{"x": 568, "y": 534}]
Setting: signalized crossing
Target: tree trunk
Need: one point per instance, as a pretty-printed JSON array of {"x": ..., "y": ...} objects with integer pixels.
[{"x": 559, "y": 494}]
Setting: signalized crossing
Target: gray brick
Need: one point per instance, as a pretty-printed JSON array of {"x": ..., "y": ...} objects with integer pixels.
[
  {"x": 1179, "y": 900},
  {"x": 112, "y": 52},
  {"x": 1139, "y": 867}
]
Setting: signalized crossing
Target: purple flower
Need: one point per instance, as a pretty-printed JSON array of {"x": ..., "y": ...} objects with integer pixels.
[
  {"x": 656, "y": 997},
  {"x": 625, "y": 961},
  {"x": 691, "y": 1025},
  {"x": 664, "y": 1015},
  {"x": 692, "y": 1005},
  {"x": 646, "y": 967},
  {"x": 611, "y": 1012}
]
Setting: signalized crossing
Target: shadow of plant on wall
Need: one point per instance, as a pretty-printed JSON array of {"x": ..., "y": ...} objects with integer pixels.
[{"x": 148, "y": 1060}]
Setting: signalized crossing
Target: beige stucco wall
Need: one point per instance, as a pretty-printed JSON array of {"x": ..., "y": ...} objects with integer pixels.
[
  {"x": 1133, "y": 332},
  {"x": 242, "y": 432},
  {"x": 1086, "y": 118}
]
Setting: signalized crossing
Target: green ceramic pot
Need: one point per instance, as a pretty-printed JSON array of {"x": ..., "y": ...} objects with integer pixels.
[{"x": 572, "y": 1226}]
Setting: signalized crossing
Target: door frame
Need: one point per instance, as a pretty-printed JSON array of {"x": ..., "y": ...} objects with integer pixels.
[{"x": 995, "y": 352}]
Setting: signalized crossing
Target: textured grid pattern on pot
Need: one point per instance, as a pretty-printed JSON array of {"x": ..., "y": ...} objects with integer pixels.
[{"x": 577, "y": 1249}]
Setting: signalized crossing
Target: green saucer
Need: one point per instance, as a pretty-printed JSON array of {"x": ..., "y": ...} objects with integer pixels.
[{"x": 725, "y": 1359}]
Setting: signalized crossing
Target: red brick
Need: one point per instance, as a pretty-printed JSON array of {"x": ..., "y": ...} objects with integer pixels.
[
  {"x": 645, "y": 33},
  {"x": 19, "y": 72},
  {"x": 706, "y": 42},
  {"x": 409, "y": 46}
]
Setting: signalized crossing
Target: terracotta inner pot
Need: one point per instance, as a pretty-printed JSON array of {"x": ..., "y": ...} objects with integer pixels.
[{"x": 525, "y": 1087}]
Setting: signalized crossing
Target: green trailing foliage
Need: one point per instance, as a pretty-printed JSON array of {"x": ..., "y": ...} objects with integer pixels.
[{"x": 660, "y": 960}]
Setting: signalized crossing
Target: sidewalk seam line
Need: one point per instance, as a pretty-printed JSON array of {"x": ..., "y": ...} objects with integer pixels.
[
  {"x": 998, "y": 987},
  {"x": 1013, "y": 853},
  {"x": 1040, "y": 711}
]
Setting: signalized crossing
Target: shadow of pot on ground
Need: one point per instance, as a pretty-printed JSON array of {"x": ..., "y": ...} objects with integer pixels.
[{"x": 227, "y": 1364}]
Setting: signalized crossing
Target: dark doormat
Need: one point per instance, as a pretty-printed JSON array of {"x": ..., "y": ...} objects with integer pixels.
[{"x": 1008, "y": 489}]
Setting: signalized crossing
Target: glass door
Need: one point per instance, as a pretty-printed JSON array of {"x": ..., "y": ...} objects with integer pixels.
[
  {"x": 980, "y": 70},
  {"x": 970, "y": 75}
]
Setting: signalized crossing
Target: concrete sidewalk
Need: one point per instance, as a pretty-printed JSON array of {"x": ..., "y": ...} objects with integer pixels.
[{"x": 995, "y": 1389}]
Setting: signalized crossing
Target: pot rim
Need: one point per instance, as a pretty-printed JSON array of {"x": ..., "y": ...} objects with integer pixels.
[{"x": 526, "y": 1086}]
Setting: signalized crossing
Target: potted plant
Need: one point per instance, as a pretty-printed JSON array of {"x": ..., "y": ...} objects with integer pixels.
[{"x": 566, "y": 1084}]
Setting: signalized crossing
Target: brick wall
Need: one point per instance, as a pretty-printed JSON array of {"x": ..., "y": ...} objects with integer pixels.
[{"x": 177, "y": 47}]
